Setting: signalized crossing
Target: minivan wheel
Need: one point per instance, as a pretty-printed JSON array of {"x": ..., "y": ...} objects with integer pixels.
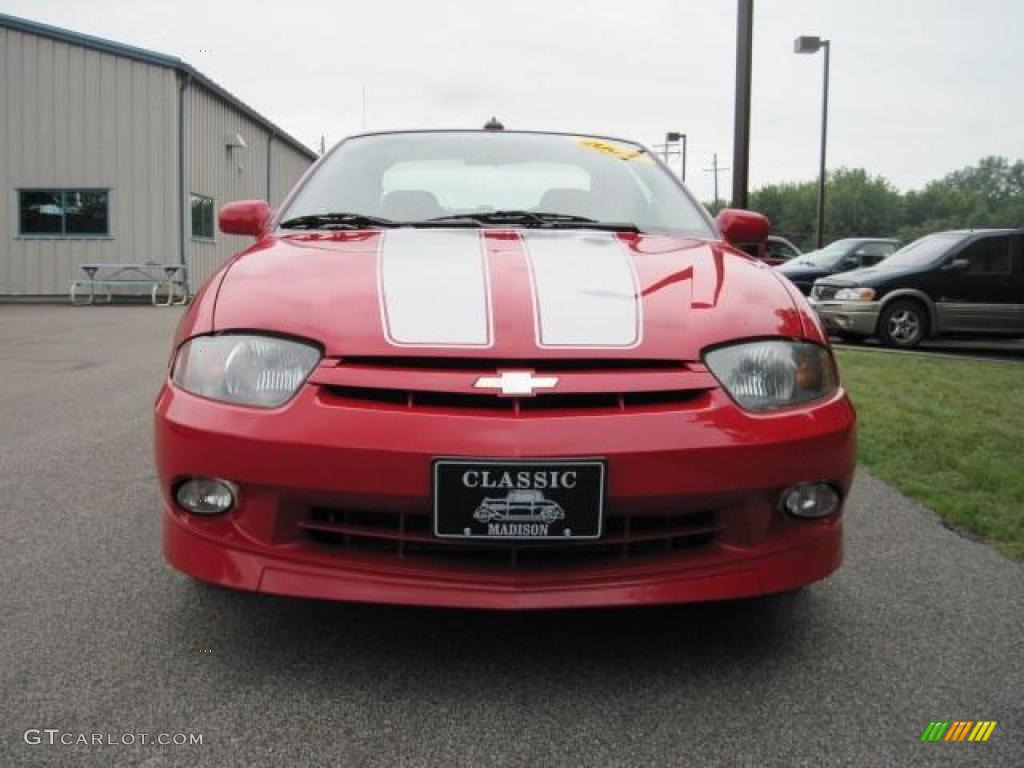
[{"x": 903, "y": 324}]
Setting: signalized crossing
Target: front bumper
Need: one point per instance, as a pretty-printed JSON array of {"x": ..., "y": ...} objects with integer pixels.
[
  {"x": 855, "y": 317},
  {"x": 709, "y": 458}
]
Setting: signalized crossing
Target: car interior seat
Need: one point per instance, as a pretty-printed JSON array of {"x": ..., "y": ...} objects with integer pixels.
[
  {"x": 410, "y": 205},
  {"x": 575, "y": 202}
]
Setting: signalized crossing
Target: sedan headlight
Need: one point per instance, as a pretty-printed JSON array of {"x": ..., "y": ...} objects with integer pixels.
[
  {"x": 855, "y": 294},
  {"x": 764, "y": 375},
  {"x": 249, "y": 370}
]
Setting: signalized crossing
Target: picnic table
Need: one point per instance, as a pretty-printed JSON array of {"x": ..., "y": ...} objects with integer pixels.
[{"x": 167, "y": 279}]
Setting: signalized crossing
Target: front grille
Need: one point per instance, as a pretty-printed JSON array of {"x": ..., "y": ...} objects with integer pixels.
[
  {"x": 513, "y": 406},
  {"x": 537, "y": 364},
  {"x": 824, "y": 292},
  {"x": 408, "y": 537},
  {"x": 583, "y": 385}
]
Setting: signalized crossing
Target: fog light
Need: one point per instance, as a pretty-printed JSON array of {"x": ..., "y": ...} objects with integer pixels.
[
  {"x": 810, "y": 500},
  {"x": 203, "y": 496}
]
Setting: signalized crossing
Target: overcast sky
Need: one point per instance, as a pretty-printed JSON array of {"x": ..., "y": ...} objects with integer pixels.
[{"x": 918, "y": 87}]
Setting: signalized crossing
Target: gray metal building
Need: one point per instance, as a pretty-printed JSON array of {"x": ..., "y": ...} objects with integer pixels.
[{"x": 110, "y": 153}]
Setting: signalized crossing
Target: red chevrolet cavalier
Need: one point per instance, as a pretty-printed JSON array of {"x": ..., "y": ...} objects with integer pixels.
[{"x": 500, "y": 369}]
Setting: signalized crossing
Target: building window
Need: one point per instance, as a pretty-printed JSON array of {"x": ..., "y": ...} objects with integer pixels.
[
  {"x": 202, "y": 217},
  {"x": 64, "y": 212}
]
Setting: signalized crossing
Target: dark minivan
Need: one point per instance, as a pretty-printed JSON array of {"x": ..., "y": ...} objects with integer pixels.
[
  {"x": 968, "y": 282},
  {"x": 840, "y": 256}
]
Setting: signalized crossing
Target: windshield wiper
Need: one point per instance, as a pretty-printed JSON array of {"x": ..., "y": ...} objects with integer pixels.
[
  {"x": 533, "y": 219},
  {"x": 336, "y": 221}
]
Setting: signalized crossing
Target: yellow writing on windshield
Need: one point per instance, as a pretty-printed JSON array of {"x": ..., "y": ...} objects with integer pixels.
[{"x": 621, "y": 151}]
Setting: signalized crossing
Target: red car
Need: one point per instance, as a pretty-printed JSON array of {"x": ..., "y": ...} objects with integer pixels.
[{"x": 435, "y": 320}]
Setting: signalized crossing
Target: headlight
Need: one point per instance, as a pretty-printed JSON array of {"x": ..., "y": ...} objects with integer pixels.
[
  {"x": 763, "y": 375},
  {"x": 249, "y": 370},
  {"x": 855, "y": 294}
]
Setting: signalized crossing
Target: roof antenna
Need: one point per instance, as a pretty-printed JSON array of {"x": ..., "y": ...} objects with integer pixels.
[{"x": 493, "y": 125}]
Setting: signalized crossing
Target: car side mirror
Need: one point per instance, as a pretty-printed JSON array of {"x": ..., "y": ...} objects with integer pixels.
[
  {"x": 850, "y": 262},
  {"x": 740, "y": 227},
  {"x": 956, "y": 265},
  {"x": 246, "y": 217}
]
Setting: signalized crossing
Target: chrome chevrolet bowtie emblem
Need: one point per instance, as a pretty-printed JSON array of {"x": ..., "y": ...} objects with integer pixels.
[{"x": 516, "y": 383}]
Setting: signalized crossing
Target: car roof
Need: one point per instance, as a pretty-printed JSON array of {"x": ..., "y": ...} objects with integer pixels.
[
  {"x": 867, "y": 240},
  {"x": 584, "y": 134},
  {"x": 983, "y": 231}
]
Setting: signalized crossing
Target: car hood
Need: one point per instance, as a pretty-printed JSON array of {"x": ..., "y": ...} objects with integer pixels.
[
  {"x": 504, "y": 295},
  {"x": 868, "y": 276},
  {"x": 802, "y": 270}
]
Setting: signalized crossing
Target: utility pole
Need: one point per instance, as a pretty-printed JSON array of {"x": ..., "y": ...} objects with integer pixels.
[
  {"x": 741, "y": 129},
  {"x": 715, "y": 169}
]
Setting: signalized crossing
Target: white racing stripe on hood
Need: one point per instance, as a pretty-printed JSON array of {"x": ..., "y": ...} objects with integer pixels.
[
  {"x": 586, "y": 290},
  {"x": 434, "y": 288}
]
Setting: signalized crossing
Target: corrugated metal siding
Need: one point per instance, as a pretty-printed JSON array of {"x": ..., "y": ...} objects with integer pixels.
[
  {"x": 286, "y": 168},
  {"x": 231, "y": 174},
  {"x": 221, "y": 173},
  {"x": 74, "y": 117}
]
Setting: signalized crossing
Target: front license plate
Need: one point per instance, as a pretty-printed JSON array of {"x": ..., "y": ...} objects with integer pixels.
[{"x": 523, "y": 500}]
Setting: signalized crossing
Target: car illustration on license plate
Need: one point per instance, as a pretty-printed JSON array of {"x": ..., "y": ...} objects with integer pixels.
[{"x": 519, "y": 507}]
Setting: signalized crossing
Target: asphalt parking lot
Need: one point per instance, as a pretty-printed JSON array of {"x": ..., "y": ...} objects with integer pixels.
[{"x": 99, "y": 636}]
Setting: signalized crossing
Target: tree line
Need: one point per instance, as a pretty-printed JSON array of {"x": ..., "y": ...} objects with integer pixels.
[{"x": 988, "y": 194}]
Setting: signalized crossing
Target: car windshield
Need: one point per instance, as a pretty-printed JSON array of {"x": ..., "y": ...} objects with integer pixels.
[
  {"x": 494, "y": 177},
  {"x": 922, "y": 252},
  {"x": 826, "y": 257}
]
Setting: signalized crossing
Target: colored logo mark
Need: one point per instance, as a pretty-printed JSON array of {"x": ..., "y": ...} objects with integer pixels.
[{"x": 959, "y": 730}]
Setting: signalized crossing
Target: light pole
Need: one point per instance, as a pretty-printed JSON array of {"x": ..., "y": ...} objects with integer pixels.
[
  {"x": 675, "y": 144},
  {"x": 741, "y": 125},
  {"x": 679, "y": 138},
  {"x": 807, "y": 44}
]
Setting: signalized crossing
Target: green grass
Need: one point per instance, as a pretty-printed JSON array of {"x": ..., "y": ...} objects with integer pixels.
[{"x": 947, "y": 432}]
